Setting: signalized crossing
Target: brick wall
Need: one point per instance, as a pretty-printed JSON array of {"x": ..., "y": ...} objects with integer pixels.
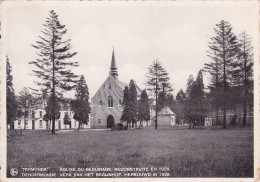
[{"x": 100, "y": 112}]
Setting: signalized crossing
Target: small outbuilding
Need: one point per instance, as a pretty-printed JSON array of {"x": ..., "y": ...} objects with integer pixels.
[{"x": 166, "y": 117}]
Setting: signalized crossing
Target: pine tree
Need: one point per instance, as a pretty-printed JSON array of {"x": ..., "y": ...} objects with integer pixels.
[
  {"x": 180, "y": 106},
  {"x": 189, "y": 86},
  {"x": 11, "y": 104},
  {"x": 243, "y": 72},
  {"x": 143, "y": 108},
  {"x": 157, "y": 80},
  {"x": 81, "y": 106},
  {"x": 199, "y": 97},
  {"x": 133, "y": 102},
  {"x": 53, "y": 68},
  {"x": 48, "y": 116},
  {"x": 189, "y": 115},
  {"x": 224, "y": 48},
  {"x": 215, "y": 86},
  {"x": 126, "y": 115}
]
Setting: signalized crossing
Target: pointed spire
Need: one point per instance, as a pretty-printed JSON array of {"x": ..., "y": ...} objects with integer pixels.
[{"x": 113, "y": 68}]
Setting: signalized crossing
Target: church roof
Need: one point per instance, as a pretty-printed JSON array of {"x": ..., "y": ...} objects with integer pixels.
[
  {"x": 166, "y": 111},
  {"x": 123, "y": 85}
]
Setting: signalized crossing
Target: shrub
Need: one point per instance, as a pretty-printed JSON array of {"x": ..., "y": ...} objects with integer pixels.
[{"x": 119, "y": 126}]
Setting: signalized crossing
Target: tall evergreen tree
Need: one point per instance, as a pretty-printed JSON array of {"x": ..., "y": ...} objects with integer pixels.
[
  {"x": 180, "y": 106},
  {"x": 215, "y": 85},
  {"x": 11, "y": 104},
  {"x": 224, "y": 48},
  {"x": 157, "y": 80},
  {"x": 189, "y": 106},
  {"x": 81, "y": 106},
  {"x": 244, "y": 71},
  {"x": 198, "y": 97},
  {"x": 195, "y": 105},
  {"x": 48, "y": 116},
  {"x": 53, "y": 68},
  {"x": 189, "y": 86},
  {"x": 143, "y": 108},
  {"x": 126, "y": 115},
  {"x": 133, "y": 102}
]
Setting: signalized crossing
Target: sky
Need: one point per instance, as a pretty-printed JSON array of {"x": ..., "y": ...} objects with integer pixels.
[{"x": 176, "y": 35}]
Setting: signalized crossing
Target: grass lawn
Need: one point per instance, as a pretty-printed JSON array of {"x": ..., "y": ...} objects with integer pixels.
[{"x": 205, "y": 152}]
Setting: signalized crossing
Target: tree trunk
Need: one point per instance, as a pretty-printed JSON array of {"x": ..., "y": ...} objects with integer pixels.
[
  {"x": 53, "y": 84},
  {"x": 245, "y": 113},
  {"x": 79, "y": 126},
  {"x": 156, "y": 97},
  {"x": 224, "y": 78},
  {"x": 217, "y": 116},
  {"x": 245, "y": 85}
]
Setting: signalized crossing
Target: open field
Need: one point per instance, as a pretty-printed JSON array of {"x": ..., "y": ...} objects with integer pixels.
[{"x": 209, "y": 152}]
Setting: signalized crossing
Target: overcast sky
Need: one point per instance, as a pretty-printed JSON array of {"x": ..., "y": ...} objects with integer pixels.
[{"x": 175, "y": 35}]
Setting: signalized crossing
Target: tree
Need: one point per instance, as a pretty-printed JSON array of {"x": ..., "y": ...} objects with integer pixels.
[
  {"x": 133, "y": 102},
  {"x": 189, "y": 86},
  {"x": 224, "y": 48},
  {"x": 180, "y": 105},
  {"x": 243, "y": 72},
  {"x": 157, "y": 80},
  {"x": 189, "y": 106},
  {"x": 66, "y": 119},
  {"x": 143, "y": 108},
  {"x": 25, "y": 102},
  {"x": 198, "y": 97},
  {"x": 81, "y": 106},
  {"x": 48, "y": 116},
  {"x": 53, "y": 68},
  {"x": 215, "y": 85},
  {"x": 126, "y": 115},
  {"x": 11, "y": 104}
]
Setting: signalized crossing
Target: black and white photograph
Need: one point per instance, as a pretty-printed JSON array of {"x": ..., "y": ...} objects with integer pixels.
[{"x": 146, "y": 90}]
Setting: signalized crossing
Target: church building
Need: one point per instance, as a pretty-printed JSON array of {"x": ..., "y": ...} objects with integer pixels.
[{"x": 106, "y": 109}]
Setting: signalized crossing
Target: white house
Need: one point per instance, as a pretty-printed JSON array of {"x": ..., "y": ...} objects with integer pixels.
[{"x": 35, "y": 121}]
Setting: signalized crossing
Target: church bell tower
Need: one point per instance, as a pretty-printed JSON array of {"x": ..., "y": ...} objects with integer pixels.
[{"x": 113, "y": 68}]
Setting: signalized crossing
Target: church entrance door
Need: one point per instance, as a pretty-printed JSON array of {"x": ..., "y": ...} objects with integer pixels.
[{"x": 110, "y": 121}]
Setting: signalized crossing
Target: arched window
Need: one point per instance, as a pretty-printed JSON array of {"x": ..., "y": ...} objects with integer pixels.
[
  {"x": 119, "y": 102},
  {"x": 109, "y": 86},
  {"x": 110, "y": 101},
  {"x": 100, "y": 102}
]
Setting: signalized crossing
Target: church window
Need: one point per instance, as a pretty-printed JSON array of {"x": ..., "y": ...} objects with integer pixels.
[
  {"x": 19, "y": 122},
  {"x": 100, "y": 102},
  {"x": 110, "y": 101},
  {"x": 119, "y": 102},
  {"x": 109, "y": 86},
  {"x": 41, "y": 123},
  {"x": 40, "y": 114}
]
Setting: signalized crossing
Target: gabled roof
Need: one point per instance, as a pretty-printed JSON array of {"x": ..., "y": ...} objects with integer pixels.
[
  {"x": 166, "y": 111},
  {"x": 123, "y": 85}
]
